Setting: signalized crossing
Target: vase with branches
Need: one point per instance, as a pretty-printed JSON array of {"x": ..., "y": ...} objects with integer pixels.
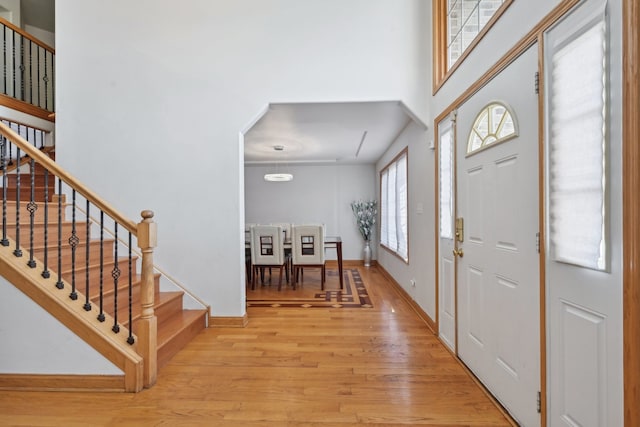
[{"x": 365, "y": 213}]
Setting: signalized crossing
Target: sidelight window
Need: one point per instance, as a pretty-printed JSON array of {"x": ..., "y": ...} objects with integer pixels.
[{"x": 577, "y": 138}]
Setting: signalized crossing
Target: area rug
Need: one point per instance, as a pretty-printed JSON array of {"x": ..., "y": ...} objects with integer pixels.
[{"x": 354, "y": 295}]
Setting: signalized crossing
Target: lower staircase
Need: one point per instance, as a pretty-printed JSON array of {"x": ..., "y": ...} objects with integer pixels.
[{"x": 91, "y": 265}]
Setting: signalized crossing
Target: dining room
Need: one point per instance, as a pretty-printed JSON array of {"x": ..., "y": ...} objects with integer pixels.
[{"x": 324, "y": 156}]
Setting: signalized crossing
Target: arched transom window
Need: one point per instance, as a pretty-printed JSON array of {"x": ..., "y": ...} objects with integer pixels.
[{"x": 494, "y": 124}]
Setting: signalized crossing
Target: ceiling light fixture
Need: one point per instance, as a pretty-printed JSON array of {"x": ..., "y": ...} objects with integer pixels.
[{"x": 278, "y": 176}]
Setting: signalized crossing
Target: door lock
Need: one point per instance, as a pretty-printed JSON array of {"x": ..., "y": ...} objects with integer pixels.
[
  {"x": 460, "y": 229},
  {"x": 458, "y": 252}
]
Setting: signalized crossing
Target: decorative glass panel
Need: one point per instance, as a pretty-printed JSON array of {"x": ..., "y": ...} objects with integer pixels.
[
  {"x": 495, "y": 123},
  {"x": 465, "y": 20}
]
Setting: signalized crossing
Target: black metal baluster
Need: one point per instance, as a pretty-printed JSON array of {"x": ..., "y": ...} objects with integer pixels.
[
  {"x": 60, "y": 283},
  {"x": 73, "y": 242},
  {"x": 22, "y": 68},
  {"x": 115, "y": 273},
  {"x": 31, "y": 72},
  {"x": 3, "y": 160},
  {"x": 45, "y": 269},
  {"x": 53, "y": 86},
  {"x": 101, "y": 315},
  {"x": 10, "y": 152},
  {"x": 38, "y": 69},
  {"x": 87, "y": 301},
  {"x": 32, "y": 207},
  {"x": 45, "y": 79},
  {"x": 130, "y": 339},
  {"x": 18, "y": 252},
  {"x": 4, "y": 55},
  {"x": 13, "y": 54}
]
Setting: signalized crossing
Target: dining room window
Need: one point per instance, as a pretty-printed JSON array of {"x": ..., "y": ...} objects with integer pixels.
[{"x": 394, "y": 227}]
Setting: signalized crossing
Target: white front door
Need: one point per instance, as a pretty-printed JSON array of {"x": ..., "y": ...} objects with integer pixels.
[
  {"x": 498, "y": 270},
  {"x": 584, "y": 200},
  {"x": 446, "y": 266}
]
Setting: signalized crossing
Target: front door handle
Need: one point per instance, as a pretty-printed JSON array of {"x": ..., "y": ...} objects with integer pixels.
[{"x": 458, "y": 252}]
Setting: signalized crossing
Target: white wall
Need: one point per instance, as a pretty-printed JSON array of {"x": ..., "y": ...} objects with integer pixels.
[
  {"x": 150, "y": 104},
  {"x": 162, "y": 104},
  {"x": 421, "y": 266},
  {"x": 10, "y": 10},
  {"x": 320, "y": 194},
  {"x": 34, "y": 341},
  {"x": 43, "y": 35}
]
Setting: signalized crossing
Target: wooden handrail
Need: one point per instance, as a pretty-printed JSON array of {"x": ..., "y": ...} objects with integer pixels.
[
  {"x": 73, "y": 182},
  {"x": 24, "y": 34}
]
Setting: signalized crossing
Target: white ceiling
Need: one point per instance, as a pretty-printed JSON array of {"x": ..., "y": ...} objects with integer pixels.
[{"x": 318, "y": 133}]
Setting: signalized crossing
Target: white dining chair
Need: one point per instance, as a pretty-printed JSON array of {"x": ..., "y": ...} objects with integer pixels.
[
  {"x": 286, "y": 228},
  {"x": 307, "y": 247},
  {"x": 286, "y": 231},
  {"x": 267, "y": 251}
]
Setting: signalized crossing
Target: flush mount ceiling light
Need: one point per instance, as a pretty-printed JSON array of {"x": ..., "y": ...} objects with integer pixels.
[{"x": 278, "y": 176}]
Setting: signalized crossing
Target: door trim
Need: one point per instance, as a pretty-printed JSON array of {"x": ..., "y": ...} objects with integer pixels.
[
  {"x": 542, "y": 235},
  {"x": 631, "y": 210}
]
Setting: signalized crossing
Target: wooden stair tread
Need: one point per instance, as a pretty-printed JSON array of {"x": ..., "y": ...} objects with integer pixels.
[
  {"x": 178, "y": 322},
  {"x": 161, "y": 299},
  {"x": 177, "y": 332},
  {"x": 165, "y": 296}
]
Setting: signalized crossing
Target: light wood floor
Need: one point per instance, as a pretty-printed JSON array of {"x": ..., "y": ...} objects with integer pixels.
[{"x": 290, "y": 367}]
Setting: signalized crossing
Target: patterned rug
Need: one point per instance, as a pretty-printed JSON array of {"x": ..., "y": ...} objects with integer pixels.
[{"x": 354, "y": 294}]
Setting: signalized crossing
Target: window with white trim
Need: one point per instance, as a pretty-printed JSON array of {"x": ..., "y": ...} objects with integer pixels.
[
  {"x": 458, "y": 26},
  {"x": 445, "y": 179},
  {"x": 394, "y": 233},
  {"x": 465, "y": 19},
  {"x": 576, "y": 117},
  {"x": 494, "y": 124}
]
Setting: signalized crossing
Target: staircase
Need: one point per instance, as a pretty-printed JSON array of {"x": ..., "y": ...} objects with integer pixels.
[
  {"x": 176, "y": 326},
  {"x": 77, "y": 267}
]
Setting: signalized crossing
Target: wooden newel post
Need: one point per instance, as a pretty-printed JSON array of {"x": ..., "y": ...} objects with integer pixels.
[{"x": 148, "y": 326}]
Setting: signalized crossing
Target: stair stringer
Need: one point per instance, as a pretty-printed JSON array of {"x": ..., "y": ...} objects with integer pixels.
[{"x": 71, "y": 313}]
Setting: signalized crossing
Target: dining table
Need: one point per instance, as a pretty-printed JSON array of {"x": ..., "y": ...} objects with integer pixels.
[
  {"x": 330, "y": 242},
  {"x": 335, "y": 242}
]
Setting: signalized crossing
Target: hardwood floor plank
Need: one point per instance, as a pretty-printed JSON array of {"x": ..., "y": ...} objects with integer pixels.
[{"x": 296, "y": 367}]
